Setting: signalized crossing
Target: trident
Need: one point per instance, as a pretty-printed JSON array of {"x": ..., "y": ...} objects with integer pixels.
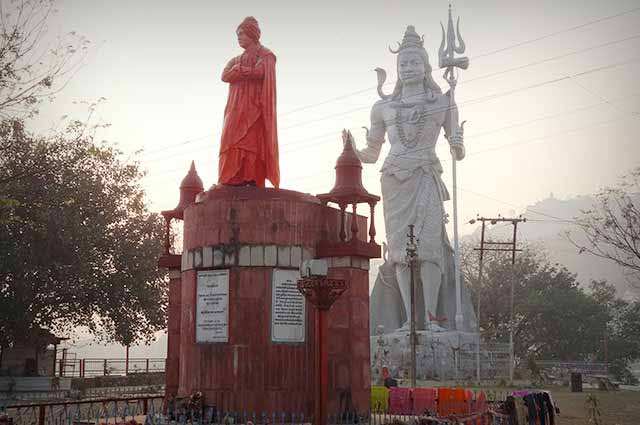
[{"x": 447, "y": 60}]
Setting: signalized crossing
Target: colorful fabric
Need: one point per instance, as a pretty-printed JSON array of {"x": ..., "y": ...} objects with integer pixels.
[
  {"x": 548, "y": 401},
  {"x": 480, "y": 404},
  {"x": 532, "y": 409},
  {"x": 521, "y": 412},
  {"x": 461, "y": 404},
  {"x": 424, "y": 400},
  {"x": 400, "y": 400},
  {"x": 445, "y": 402},
  {"x": 379, "y": 399}
]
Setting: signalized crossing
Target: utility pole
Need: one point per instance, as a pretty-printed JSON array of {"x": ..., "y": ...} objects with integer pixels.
[
  {"x": 606, "y": 350},
  {"x": 478, "y": 378},
  {"x": 498, "y": 247},
  {"x": 412, "y": 254}
]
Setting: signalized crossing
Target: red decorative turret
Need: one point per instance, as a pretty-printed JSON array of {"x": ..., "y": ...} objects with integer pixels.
[
  {"x": 348, "y": 187},
  {"x": 189, "y": 188},
  {"x": 348, "y": 190},
  {"x": 191, "y": 185}
]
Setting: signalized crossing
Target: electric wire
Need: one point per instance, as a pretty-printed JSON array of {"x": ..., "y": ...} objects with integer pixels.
[
  {"x": 524, "y": 141},
  {"x": 475, "y": 101},
  {"x": 486, "y": 98},
  {"x": 333, "y": 135},
  {"x": 553, "y": 34},
  {"x": 620, "y": 14},
  {"x": 470, "y": 154},
  {"x": 490, "y": 53}
]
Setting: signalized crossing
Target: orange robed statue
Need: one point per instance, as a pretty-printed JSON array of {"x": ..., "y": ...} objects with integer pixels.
[{"x": 249, "y": 146}]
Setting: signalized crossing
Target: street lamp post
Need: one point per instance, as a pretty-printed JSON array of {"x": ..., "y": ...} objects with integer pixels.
[
  {"x": 412, "y": 254},
  {"x": 322, "y": 292}
]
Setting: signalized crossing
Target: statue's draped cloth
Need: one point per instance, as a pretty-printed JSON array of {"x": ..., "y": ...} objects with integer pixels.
[
  {"x": 249, "y": 146},
  {"x": 413, "y": 193},
  {"x": 416, "y": 199}
]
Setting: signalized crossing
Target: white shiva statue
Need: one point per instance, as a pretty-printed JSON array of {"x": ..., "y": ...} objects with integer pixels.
[{"x": 413, "y": 192}]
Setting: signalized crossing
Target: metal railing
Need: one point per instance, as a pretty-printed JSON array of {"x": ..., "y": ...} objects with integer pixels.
[
  {"x": 85, "y": 368},
  {"x": 564, "y": 368},
  {"x": 99, "y": 411},
  {"x": 153, "y": 411}
]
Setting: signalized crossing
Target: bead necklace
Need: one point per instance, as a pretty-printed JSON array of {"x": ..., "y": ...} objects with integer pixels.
[{"x": 418, "y": 120}]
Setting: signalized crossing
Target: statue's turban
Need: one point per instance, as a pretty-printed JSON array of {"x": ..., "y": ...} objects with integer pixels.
[{"x": 250, "y": 27}]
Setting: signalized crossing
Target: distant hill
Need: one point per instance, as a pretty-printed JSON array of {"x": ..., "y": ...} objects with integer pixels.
[{"x": 548, "y": 221}]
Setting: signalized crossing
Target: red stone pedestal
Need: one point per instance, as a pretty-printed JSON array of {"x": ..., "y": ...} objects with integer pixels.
[{"x": 251, "y": 232}]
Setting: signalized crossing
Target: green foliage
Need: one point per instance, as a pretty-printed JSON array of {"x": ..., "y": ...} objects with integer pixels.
[
  {"x": 619, "y": 368},
  {"x": 78, "y": 246},
  {"x": 623, "y": 329},
  {"x": 553, "y": 317}
]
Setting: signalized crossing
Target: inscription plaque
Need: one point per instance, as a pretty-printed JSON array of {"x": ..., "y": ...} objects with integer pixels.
[
  {"x": 287, "y": 307},
  {"x": 212, "y": 308}
]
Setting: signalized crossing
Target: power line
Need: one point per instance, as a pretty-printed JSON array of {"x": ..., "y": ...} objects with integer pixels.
[
  {"x": 479, "y": 152},
  {"x": 528, "y": 210},
  {"x": 186, "y": 142},
  {"x": 551, "y": 59},
  {"x": 490, "y": 53},
  {"x": 488, "y": 150},
  {"x": 334, "y": 135},
  {"x": 473, "y": 101},
  {"x": 494, "y": 96},
  {"x": 517, "y": 124},
  {"x": 473, "y": 57},
  {"x": 476, "y": 100},
  {"x": 487, "y": 97},
  {"x": 518, "y": 143},
  {"x": 553, "y": 34}
]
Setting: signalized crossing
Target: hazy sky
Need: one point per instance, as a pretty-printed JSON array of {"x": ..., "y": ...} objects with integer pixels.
[{"x": 541, "y": 128}]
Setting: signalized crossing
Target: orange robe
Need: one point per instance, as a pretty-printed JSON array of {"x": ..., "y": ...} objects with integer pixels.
[{"x": 249, "y": 146}]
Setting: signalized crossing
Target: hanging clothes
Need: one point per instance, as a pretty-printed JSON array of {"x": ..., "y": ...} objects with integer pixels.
[
  {"x": 551, "y": 409},
  {"x": 532, "y": 409},
  {"x": 521, "y": 412}
]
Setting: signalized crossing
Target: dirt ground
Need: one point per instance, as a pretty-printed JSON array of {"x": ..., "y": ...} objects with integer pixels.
[{"x": 617, "y": 407}]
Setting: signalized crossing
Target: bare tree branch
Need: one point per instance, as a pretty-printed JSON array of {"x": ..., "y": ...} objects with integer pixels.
[
  {"x": 611, "y": 229},
  {"x": 31, "y": 70}
]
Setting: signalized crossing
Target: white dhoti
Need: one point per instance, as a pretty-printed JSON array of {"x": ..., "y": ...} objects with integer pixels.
[{"x": 415, "y": 197}]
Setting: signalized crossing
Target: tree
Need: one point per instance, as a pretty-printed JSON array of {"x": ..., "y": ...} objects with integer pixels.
[
  {"x": 78, "y": 246},
  {"x": 623, "y": 329},
  {"x": 32, "y": 69},
  {"x": 611, "y": 229},
  {"x": 553, "y": 317},
  {"x": 624, "y": 344}
]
